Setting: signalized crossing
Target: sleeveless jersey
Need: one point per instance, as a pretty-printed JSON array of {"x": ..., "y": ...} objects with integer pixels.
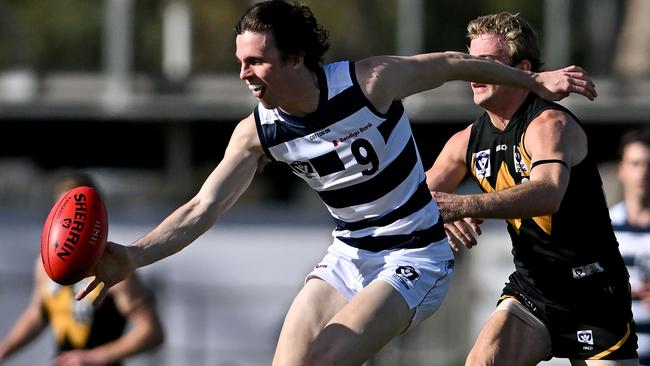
[
  {"x": 78, "y": 324},
  {"x": 635, "y": 248},
  {"x": 551, "y": 253},
  {"x": 363, "y": 164}
]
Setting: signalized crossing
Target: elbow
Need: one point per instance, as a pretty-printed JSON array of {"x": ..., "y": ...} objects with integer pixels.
[
  {"x": 155, "y": 335},
  {"x": 157, "y": 338},
  {"x": 550, "y": 208},
  {"x": 550, "y": 203}
]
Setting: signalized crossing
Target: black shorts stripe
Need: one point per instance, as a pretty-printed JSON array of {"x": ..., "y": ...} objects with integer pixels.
[
  {"x": 418, "y": 200},
  {"x": 379, "y": 185},
  {"x": 418, "y": 239}
]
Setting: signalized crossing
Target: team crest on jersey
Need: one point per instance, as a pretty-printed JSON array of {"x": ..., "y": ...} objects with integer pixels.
[
  {"x": 407, "y": 275},
  {"x": 302, "y": 168},
  {"x": 482, "y": 167},
  {"x": 518, "y": 159}
]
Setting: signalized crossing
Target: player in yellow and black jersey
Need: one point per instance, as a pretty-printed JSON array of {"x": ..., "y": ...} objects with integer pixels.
[
  {"x": 569, "y": 295},
  {"x": 125, "y": 324}
]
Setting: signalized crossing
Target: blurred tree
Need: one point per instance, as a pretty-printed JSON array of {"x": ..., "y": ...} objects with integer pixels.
[
  {"x": 632, "y": 58},
  {"x": 58, "y": 34},
  {"x": 446, "y": 21}
]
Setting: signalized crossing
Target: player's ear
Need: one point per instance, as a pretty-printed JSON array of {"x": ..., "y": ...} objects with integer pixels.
[
  {"x": 296, "y": 59},
  {"x": 525, "y": 65}
]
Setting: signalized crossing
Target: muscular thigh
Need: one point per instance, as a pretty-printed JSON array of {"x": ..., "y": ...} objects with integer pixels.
[
  {"x": 371, "y": 319},
  {"x": 511, "y": 336},
  {"x": 311, "y": 310}
]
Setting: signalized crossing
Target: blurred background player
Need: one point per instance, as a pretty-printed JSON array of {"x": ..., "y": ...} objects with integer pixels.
[
  {"x": 124, "y": 325},
  {"x": 631, "y": 222}
]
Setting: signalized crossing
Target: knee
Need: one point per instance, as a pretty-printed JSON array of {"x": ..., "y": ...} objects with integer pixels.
[{"x": 477, "y": 359}]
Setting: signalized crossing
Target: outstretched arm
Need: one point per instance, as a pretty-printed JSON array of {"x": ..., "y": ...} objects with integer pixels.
[
  {"x": 219, "y": 192},
  {"x": 30, "y": 323},
  {"x": 388, "y": 78}
]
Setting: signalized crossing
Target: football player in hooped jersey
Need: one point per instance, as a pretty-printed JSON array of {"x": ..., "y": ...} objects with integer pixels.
[
  {"x": 343, "y": 129},
  {"x": 569, "y": 295}
]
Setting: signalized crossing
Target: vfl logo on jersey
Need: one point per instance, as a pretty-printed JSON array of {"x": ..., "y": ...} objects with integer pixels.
[
  {"x": 482, "y": 164},
  {"x": 407, "y": 275},
  {"x": 302, "y": 168},
  {"x": 585, "y": 336},
  {"x": 518, "y": 159}
]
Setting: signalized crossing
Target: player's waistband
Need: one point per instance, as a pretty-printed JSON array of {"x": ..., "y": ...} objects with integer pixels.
[{"x": 417, "y": 239}]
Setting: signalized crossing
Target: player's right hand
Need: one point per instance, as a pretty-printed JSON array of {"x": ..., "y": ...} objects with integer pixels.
[
  {"x": 112, "y": 267},
  {"x": 463, "y": 233}
]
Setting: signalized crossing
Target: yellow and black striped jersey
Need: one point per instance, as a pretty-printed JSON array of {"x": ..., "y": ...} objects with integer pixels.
[
  {"x": 79, "y": 324},
  {"x": 574, "y": 242}
]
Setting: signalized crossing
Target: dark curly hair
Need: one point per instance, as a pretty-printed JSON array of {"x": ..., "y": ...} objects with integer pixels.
[{"x": 293, "y": 27}]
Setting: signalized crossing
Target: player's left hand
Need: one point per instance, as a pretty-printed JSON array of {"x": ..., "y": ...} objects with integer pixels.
[
  {"x": 558, "y": 84},
  {"x": 79, "y": 358}
]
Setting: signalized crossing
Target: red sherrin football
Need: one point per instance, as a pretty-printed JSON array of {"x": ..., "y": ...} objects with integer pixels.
[{"x": 74, "y": 235}]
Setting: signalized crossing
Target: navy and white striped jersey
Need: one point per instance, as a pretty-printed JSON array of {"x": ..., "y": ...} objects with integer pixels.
[
  {"x": 364, "y": 164},
  {"x": 634, "y": 244}
]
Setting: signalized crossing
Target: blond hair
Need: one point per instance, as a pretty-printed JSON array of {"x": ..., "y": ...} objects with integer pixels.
[{"x": 518, "y": 36}]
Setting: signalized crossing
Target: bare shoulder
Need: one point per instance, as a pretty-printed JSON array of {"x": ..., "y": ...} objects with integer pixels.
[
  {"x": 245, "y": 135},
  {"x": 556, "y": 134},
  {"x": 458, "y": 142},
  {"x": 555, "y": 122},
  {"x": 374, "y": 76}
]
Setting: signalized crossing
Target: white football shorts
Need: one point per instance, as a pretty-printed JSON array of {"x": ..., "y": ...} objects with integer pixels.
[{"x": 420, "y": 275}]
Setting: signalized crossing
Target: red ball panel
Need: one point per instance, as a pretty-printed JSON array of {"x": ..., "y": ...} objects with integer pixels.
[{"x": 74, "y": 235}]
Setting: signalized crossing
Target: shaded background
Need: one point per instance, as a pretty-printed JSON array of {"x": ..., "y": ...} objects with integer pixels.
[{"x": 144, "y": 95}]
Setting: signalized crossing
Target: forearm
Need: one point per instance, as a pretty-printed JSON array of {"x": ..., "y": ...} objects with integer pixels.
[
  {"x": 28, "y": 326},
  {"x": 176, "y": 232},
  {"x": 527, "y": 200},
  {"x": 469, "y": 68}
]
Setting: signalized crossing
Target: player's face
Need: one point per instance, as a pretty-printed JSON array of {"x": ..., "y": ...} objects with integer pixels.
[
  {"x": 491, "y": 47},
  {"x": 262, "y": 68},
  {"x": 634, "y": 170}
]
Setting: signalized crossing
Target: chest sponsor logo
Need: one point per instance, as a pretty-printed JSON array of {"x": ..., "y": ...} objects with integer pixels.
[
  {"x": 302, "y": 168},
  {"x": 482, "y": 167},
  {"x": 319, "y": 134},
  {"x": 352, "y": 135},
  {"x": 518, "y": 159}
]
